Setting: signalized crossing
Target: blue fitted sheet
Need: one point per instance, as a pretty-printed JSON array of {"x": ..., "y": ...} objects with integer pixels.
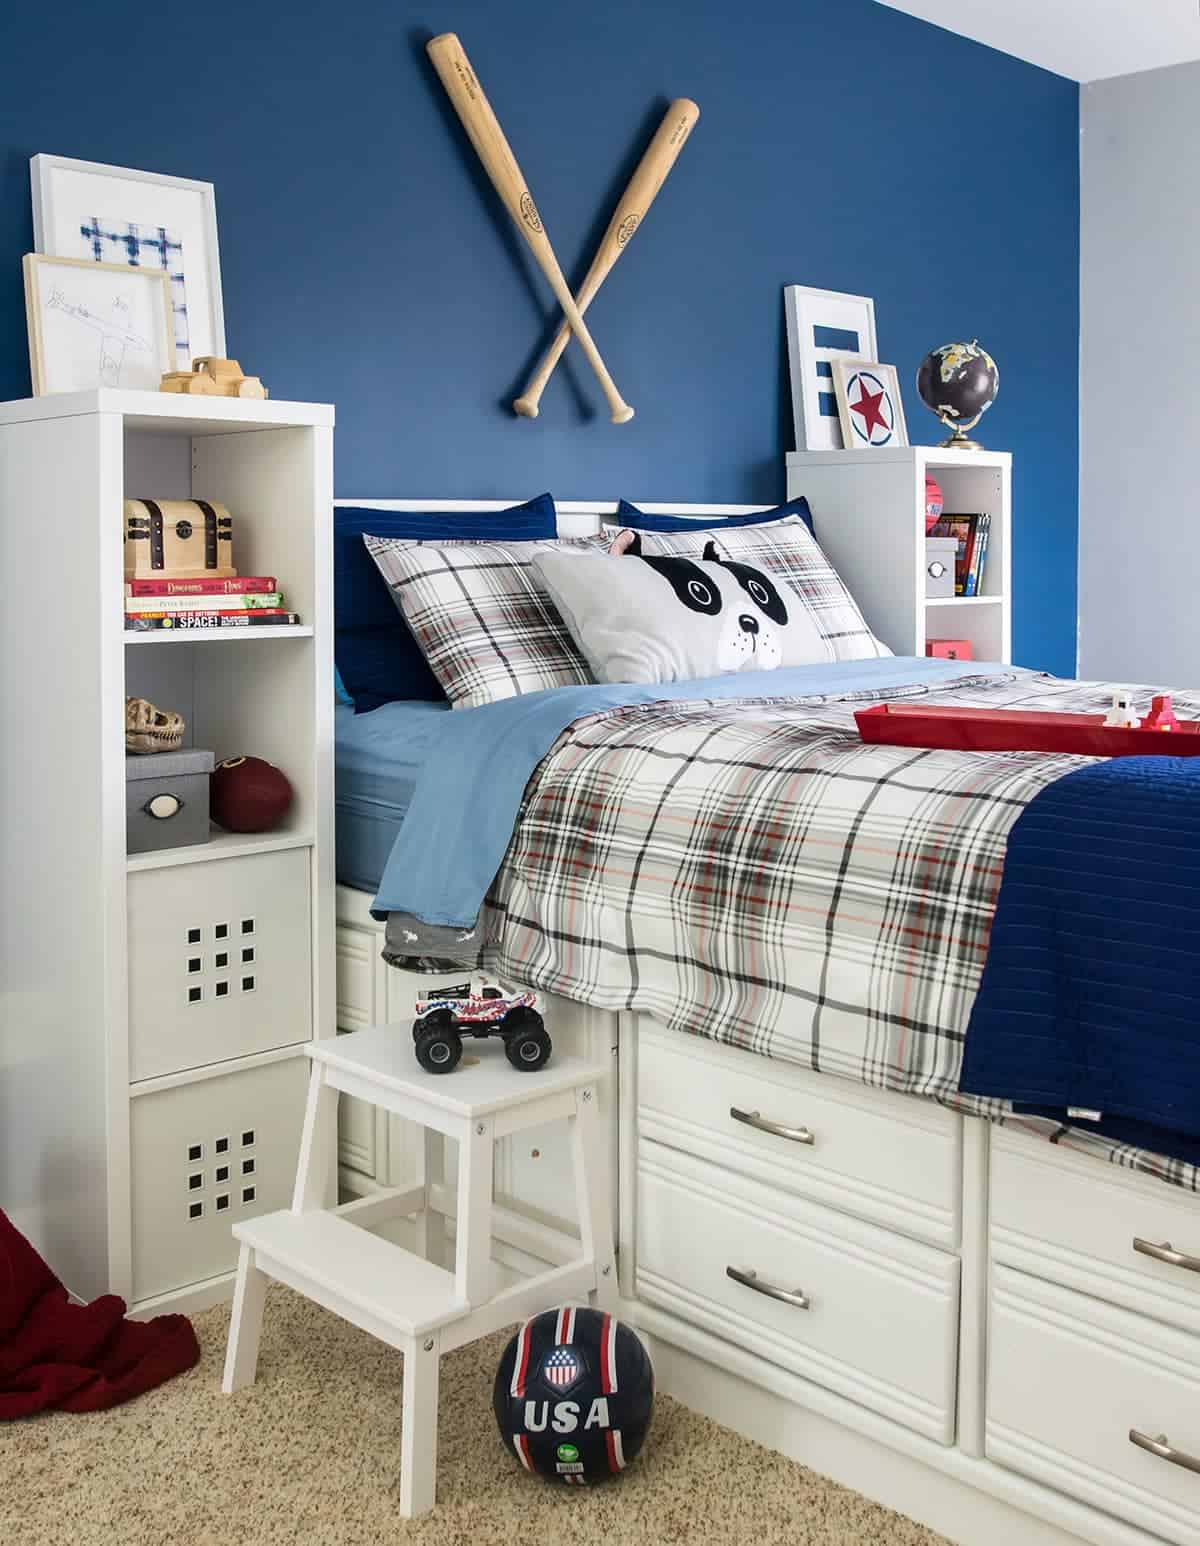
[{"x": 378, "y": 758}]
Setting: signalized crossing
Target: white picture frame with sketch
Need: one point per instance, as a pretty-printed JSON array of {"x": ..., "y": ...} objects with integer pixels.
[
  {"x": 822, "y": 326},
  {"x": 117, "y": 214},
  {"x": 97, "y": 325}
]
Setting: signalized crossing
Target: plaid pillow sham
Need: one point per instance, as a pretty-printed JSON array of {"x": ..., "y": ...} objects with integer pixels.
[
  {"x": 481, "y": 615},
  {"x": 788, "y": 551}
]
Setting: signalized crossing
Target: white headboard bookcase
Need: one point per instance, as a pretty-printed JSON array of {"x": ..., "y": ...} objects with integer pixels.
[{"x": 868, "y": 514}]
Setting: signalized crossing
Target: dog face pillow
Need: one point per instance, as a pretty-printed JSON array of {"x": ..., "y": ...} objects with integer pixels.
[{"x": 669, "y": 618}]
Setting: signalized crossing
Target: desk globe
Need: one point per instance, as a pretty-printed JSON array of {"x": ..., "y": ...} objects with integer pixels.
[{"x": 959, "y": 383}]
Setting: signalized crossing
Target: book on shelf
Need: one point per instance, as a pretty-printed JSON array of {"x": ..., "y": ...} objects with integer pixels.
[
  {"x": 975, "y": 578},
  {"x": 971, "y": 534},
  {"x": 242, "y": 585},
  {"x": 215, "y": 603},
  {"x": 148, "y": 622}
]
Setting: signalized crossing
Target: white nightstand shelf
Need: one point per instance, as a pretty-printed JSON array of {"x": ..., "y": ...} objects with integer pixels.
[
  {"x": 869, "y": 514},
  {"x": 157, "y": 1004}
]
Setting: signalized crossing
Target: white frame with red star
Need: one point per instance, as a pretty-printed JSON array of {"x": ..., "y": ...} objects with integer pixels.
[{"x": 844, "y": 372}]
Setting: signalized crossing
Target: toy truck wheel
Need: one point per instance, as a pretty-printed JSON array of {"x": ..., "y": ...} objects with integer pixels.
[
  {"x": 521, "y": 1020},
  {"x": 435, "y": 1020},
  {"x": 529, "y": 1048},
  {"x": 438, "y": 1050}
]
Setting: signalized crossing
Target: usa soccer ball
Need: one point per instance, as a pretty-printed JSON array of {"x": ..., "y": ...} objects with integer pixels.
[{"x": 573, "y": 1395}]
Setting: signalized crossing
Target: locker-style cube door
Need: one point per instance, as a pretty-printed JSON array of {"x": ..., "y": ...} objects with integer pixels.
[{"x": 220, "y": 961}]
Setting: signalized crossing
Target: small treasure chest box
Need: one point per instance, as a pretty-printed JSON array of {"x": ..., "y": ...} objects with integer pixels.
[
  {"x": 939, "y": 565},
  {"x": 177, "y": 539},
  {"x": 166, "y": 800}
]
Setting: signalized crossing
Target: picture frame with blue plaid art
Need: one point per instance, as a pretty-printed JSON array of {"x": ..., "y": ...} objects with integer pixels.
[
  {"x": 145, "y": 220},
  {"x": 823, "y": 326}
]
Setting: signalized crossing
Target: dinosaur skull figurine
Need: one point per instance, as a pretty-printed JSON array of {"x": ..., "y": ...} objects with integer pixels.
[{"x": 148, "y": 729}]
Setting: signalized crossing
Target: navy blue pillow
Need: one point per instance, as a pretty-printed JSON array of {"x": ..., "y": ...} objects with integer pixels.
[
  {"x": 630, "y": 515},
  {"x": 378, "y": 658}
]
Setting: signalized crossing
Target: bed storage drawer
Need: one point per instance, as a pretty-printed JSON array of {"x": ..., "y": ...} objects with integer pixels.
[
  {"x": 889, "y": 1158},
  {"x": 1069, "y": 1378},
  {"x": 220, "y": 961},
  {"x": 860, "y": 1311},
  {"x": 204, "y": 1155},
  {"x": 1066, "y": 1217}
]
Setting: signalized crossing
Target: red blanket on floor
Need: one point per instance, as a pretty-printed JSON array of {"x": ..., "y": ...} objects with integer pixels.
[{"x": 78, "y": 1357}]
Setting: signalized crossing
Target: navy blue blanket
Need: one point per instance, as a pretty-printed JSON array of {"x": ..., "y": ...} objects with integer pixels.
[{"x": 1091, "y": 992}]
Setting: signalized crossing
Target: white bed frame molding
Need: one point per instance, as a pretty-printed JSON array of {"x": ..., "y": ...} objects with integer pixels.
[{"x": 982, "y": 1333}]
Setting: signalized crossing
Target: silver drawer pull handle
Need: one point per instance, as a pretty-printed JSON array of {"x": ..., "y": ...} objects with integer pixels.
[
  {"x": 749, "y": 1279},
  {"x": 1166, "y": 1252},
  {"x": 1163, "y": 1450},
  {"x": 765, "y": 1125}
]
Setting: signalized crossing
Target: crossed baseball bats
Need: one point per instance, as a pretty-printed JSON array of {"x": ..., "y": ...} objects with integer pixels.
[{"x": 484, "y": 131}]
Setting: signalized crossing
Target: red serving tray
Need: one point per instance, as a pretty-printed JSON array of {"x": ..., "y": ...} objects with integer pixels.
[{"x": 1018, "y": 730}]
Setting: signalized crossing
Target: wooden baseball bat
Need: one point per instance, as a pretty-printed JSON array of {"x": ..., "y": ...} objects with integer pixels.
[
  {"x": 484, "y": 131},
  {"x": 678, "y": 122}
]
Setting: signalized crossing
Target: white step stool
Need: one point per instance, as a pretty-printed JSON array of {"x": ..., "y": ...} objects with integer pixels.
[{"x": 406, "y": 1300}]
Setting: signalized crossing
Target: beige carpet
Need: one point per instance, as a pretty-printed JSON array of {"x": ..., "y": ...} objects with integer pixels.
[{"x": 309, "y": 1454}]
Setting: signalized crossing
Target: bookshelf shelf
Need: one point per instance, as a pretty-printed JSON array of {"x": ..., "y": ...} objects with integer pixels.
[
  {"x": 222, "y": 845},
  {"x": 219, "y": 635},
  {"x": 869, "y": 512},
  {"x": 195, "y": 974}
]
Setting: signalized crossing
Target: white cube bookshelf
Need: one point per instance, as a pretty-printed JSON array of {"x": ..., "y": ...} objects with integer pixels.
[
  {"x": 869, "y": 514},
  {"x": 155, "y": 1006}
]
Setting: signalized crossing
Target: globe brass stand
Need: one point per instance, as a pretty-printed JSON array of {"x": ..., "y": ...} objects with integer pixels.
[{"x": 959, "y": 440}]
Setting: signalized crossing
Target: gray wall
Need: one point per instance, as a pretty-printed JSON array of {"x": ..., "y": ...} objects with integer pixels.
[{"x": 1139, "y": 521}]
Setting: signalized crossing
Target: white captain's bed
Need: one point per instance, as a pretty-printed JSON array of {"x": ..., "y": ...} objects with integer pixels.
[{"x": 777, "y": 935}]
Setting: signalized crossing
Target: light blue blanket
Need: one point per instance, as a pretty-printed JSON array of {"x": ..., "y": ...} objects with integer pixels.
[{"x": 457, "y": 828}]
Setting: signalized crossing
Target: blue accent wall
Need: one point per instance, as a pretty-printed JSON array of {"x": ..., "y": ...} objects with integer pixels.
[{"x": 366, "y": 261}]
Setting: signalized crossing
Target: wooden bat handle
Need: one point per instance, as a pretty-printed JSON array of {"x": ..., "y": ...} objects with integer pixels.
[
  {"x": 484, "y": 131},
  {"x": 678, "y": 122}
]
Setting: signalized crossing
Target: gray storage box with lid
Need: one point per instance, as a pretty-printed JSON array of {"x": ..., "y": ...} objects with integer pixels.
[
  {"x": 166, "y": 799},
  {"x": 939, "y": 566}
]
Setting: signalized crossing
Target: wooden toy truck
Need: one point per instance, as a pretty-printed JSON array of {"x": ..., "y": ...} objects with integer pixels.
[{"x": 211, "y": 377}]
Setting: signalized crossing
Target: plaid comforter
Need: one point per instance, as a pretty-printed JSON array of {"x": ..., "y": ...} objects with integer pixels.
[{"x": 751, "y": 872}]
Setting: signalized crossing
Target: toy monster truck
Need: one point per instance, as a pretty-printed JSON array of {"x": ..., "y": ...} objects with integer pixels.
[{"x": 444, "y": 1020}]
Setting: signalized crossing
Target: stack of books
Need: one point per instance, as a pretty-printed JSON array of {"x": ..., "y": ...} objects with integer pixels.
[
  {"x": 971, "y": 533},
  {"x": 248, "y": 601}
]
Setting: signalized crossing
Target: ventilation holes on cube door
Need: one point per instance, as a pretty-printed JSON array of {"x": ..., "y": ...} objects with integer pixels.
[
  {"x": 195, "y": 1210},
  {"x": 247, "y": 1194}
]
